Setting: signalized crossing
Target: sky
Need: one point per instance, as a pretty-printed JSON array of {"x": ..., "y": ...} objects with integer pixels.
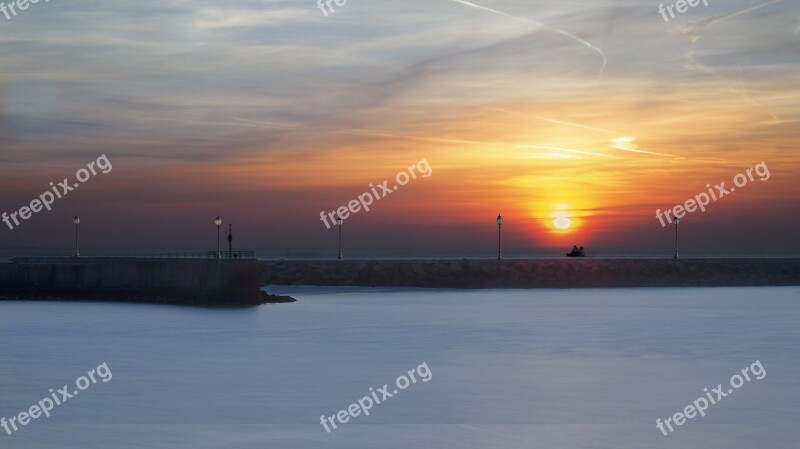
[{"x": 575, "y": 120}]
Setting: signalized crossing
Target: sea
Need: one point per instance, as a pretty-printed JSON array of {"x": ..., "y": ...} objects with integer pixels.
[{"x": 571, "y": 368}]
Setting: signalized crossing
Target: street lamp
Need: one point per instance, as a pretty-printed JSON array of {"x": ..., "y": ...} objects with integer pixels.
[
  {"x": 340, "y": 222},
  {"x": 676, "y": 221},
  {"x": 77, "y": 221},
  {"x": 218, "y": 222},
  {"x": 230, "y": 241},
  {"x": 499, "y": 227}
]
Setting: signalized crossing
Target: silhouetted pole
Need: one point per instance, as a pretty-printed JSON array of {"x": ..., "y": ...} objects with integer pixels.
[
  {"x": 676, "y": 221},
  {"x": 77, "y": 221},
  {"x": 230, "y": 241},
  {"x": 340, "y": 222},
  {"x": 218, "y": 222},
  {"x": 499, "y": 245}
]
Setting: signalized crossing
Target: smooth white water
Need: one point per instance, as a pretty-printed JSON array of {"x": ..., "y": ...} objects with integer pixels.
[{"x": 511, "y": 369}]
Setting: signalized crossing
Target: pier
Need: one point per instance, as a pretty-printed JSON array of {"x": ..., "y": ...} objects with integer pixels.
[
  {"x": 535, "y": 273},
  {"x": 186, "y": 280}
]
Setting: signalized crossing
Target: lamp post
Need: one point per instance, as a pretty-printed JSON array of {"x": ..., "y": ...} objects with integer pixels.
[
  {"x": 230, "y": 241},
  {"x": 676, "y": 221},
  {"x": 499, "y": 246},
  {"x": 218, "y": 222},
  {"x": 77, "y": 221},
  {"x": 340, "y": 222}
]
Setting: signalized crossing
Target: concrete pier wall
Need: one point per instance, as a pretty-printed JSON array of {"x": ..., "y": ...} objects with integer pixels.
[
  {"x": 232, "y": 282},
  {"x": 227, "y": 282},
  {"x": 539, "y": 273}
]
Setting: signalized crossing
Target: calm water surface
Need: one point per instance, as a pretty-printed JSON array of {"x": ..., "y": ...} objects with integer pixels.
[{"x": 511, "y": 369}]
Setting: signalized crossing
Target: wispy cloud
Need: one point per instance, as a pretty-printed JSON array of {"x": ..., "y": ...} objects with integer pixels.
[
  {"x": 626, "y": 144},
  {"x": 543, "y": 25},
  {"x": 693, "y": 29},
  {"x": 566, "y": 150}
]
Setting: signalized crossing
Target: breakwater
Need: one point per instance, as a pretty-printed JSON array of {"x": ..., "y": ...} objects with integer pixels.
[
  {"x": 535, "y": 273},
  {"x": 204, "y": 282}
]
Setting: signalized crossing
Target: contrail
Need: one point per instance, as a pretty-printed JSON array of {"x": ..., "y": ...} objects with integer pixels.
[
  {"x": 560, "y": 122},
  {"x": 695, "y": 27},
  {"x": 543, "y": 25},
  {"x": 626, "y": 144},
  {"x": 620, "y": 143},
  {"x": 693, "y": 31},
  {"x": 567, "y": 150}
]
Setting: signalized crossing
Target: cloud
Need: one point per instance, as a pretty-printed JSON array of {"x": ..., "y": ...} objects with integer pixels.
[
  {"x": 693, "y": 29},
  {"x": 274, "y": 101},
  {"x": 236, "y": 19},
  {"x": 626, "y": 144},
  {"x": 540, "y": 24}
]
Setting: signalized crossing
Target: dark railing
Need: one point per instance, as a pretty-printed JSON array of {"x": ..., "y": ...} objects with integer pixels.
[{"x": 205, "y": 255}]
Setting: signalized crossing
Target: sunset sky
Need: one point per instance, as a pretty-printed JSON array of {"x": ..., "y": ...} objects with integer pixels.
[{"x": 588, "y": 115}]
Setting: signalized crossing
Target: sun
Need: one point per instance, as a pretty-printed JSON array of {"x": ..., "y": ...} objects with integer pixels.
[
  {"x": 558, "y": 218},
  {"x": 562, "y": 222}
]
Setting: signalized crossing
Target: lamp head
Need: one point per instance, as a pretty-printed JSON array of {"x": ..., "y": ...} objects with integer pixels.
[
  {"x": 499, "y": 220},
  {"x": 339, "y": 221},
  {"x": 76, "y": 220},
  {"x": 217, "y": 221},
  {"x": 676, "y": 221}
]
